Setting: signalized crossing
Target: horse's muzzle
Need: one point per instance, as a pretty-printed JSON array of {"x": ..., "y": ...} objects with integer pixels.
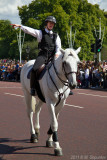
[{"x": 72, "y": 86}]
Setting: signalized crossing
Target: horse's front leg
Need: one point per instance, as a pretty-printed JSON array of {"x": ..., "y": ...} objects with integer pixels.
[
  {"x": 49, "y": 142},
  {"x": 53, "y": 130}
]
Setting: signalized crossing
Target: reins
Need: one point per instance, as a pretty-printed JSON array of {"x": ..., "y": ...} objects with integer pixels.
[{"x": 63, "y": 82}]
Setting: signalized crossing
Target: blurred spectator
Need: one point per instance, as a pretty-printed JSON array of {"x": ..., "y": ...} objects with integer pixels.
[
  {"x": 10, "y": 70},
  {"x": 89, "y": 74},
  {"x": 81, "y": 76},
  {"x": 105, "y": 74},
  {"x": 104, "y": 66}
]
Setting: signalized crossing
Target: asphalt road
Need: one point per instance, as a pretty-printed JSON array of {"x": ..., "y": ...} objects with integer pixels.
[{"x": 82, "y": 126}]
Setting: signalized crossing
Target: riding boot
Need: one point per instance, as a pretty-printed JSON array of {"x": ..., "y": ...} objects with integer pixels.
[{"x": 32, "y": 83}]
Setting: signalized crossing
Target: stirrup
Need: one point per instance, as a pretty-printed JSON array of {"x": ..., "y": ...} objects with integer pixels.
[
  {"x": 33, "y": 92},
  {"x": 71, "y": 93}
]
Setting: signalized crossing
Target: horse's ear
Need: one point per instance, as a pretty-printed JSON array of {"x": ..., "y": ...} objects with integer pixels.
[
  {"x": 62, "y": 51},
  {"x": 78, "y": 50}
]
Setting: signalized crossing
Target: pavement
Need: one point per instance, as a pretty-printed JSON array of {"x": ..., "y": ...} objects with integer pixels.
[{"x": 82, "y": 126}]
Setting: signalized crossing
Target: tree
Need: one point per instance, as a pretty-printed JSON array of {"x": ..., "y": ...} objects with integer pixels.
[
  {"x": 83, "y": 15},
  {"x": 33, "y": 50},
  {"x": 7, "y": 36}
]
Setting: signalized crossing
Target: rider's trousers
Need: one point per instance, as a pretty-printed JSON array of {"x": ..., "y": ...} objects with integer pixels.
[{"x": 33, "y": 77}]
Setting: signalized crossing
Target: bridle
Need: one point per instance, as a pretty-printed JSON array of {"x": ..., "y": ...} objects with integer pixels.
[
  {"x": 65, "y": 83},
  {"x": 66, "y": 74}
]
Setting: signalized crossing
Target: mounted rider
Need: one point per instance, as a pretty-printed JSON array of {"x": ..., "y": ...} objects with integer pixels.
[{"x": 49, "y": 45}]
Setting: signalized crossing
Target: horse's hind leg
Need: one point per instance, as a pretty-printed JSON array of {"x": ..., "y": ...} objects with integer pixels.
[
  {"x": 37, "y": 112},
  {"x": 30, "y": 102}
]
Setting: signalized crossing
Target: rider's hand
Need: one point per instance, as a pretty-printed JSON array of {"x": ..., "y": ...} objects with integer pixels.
[
  {"x": 56, "y": 55},
  {"x": 15, "y": 25}
]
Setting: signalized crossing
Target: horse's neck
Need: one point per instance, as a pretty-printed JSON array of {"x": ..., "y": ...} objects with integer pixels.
[{"x": 58, "y": 64}]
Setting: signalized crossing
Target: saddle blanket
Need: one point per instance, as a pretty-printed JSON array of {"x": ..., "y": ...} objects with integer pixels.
[{"x": 38, "y": 89}]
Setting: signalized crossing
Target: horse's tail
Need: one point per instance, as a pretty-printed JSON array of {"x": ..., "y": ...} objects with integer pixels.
[
  {"x": 30, "y": 100},
  {"x": 33, "y": 103}
]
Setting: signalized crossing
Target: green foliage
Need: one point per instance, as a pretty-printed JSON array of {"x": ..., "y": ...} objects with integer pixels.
[
  {"x": 104, "y": 50},
  {"x": 13, "y": 52},
  {"x": 83, "y": 16},
  {"x": 7, "y": 35},
  {"x": 9, "y": 44},
  {"x": 33, "y": 50}
]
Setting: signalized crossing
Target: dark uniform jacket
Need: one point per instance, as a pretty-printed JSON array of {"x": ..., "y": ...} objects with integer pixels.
[{"x": 47, "y": 49}]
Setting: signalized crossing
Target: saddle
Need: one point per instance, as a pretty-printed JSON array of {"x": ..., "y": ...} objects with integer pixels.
[
  {"x": 41, "y": 71},
  {"x": 39, "y": 74}
]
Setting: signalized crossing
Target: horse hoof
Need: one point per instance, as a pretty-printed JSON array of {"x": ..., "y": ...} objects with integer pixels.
[
  {"x": 49, "y": 144},
  {"x": 58, "y": 152},
  {"x": 34, "y": 138}
]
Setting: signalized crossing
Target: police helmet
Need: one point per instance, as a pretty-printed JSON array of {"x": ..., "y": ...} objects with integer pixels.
[{"x": 50, "y": 19}]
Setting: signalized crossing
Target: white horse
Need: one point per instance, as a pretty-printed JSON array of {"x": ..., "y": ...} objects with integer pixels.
[{"x": 55, "y": 85}]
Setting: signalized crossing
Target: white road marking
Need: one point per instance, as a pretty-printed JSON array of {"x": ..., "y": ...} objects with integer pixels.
[
  {"x": 74, "y": 106},
  {"x": 23, "y": 96},
  {"x": 92, "y": 95},
  {"x": 14, "y": 94}
]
